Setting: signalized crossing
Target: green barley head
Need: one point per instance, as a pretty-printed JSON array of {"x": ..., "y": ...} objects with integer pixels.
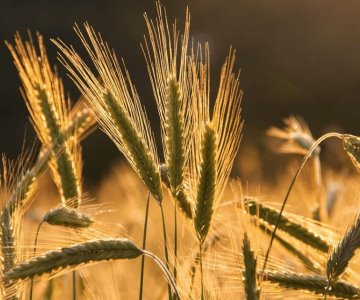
[
  {"x": 114, "y": 102},
  {"x": 50, "y": 113},
  {"x": 167, "y": 63},
  {"x": 219, "y": 137}
]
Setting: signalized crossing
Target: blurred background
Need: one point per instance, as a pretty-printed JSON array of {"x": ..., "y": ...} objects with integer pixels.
[{"x": 296, "y": 57}]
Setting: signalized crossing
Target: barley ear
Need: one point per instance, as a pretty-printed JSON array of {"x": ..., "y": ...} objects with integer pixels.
[
  {"x": 343, "y": 253},
  {"x": 296, "y": 135},
  {"x": 22, "y": 189},
  {"x": 288, "y": 225},
  {"x": 174, "y": 128},
  {"x": 206, "y": 184},
  {"x": 67, "y": 217},
  {"x": 314, "y": 283},
  {"x": 49, "y": 110},
  {"x": 141, "y": 156},
  {"x": 114, "y": 102},
  {"x": 165, "y": 51},
  {"x": 250, "y": 282},
  {"x": 73, "y": 257}
]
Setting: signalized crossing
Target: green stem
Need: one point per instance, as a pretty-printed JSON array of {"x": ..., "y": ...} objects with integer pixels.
[
  {"x": 318, "y": 181},
  {"x": 35, "y": 244},
  {"x": 143, "y": 246},
  {"x": 175, "y": 243},
  {"x": 309, "y": 153},
  {"x": 165, "y": 246},
  {"x": 201, "y": 271},
  {"x": 74, "y": 285},
  {"x": 166, "y": 272}
]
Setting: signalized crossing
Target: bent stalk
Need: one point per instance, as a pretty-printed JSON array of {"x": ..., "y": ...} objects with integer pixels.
[{"x": 309, "y": 153}]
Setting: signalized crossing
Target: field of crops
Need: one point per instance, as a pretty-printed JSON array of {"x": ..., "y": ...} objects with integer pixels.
[{"x": 170, "y": 222}]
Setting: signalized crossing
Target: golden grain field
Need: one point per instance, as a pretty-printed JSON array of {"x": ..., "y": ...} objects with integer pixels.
[{"x": 169, "y": 222}]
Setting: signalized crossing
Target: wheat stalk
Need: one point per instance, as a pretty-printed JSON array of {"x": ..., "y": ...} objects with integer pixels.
[
  {"x": 211, "y": 163},
  {"x": 292, "y": 183},
  {"x": 67, "y": 217},
  {"x": 115, "y": 104},
  {"x": 343, "y": 253},
  {"x": 224, "y": 128},
  {"x": 141, "y": 157},
  {"x": 205, "y": 191},
  {"x": 350, "y": 144},
  {"x": 298, "y": 139},
  {"x": 144, "y": 246},
  {"x": 209, "y": 243},
  {"x": 49, "y": 110},
  {"x": 24, "y": 185},
  {"x": 290, "y": 226},
  {"x": 22, "y": 188},
  {"x": 168, "y": 75},
  {"x": 79, "y": 254},
  {"x": 314, "y": 283}
]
